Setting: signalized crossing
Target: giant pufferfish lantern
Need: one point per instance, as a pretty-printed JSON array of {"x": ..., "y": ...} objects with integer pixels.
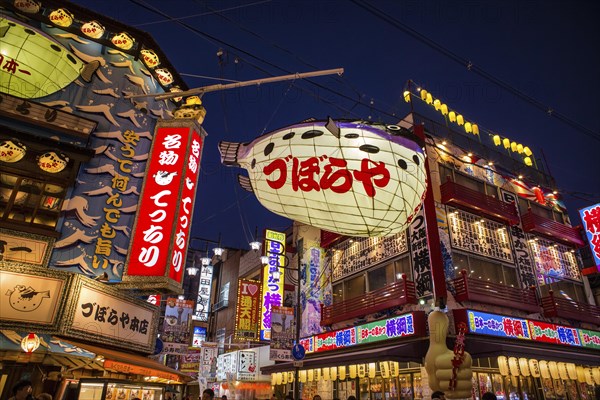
[{"x": 354, "y": 178}]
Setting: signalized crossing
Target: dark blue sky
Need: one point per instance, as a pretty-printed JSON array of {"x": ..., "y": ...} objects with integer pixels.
[{"x": 546, "y": 49}]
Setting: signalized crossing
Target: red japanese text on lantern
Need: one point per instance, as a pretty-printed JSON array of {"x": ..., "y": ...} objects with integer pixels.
[
  {"x": 591, "y": 222},
  {"x": 326, "y": 173}
]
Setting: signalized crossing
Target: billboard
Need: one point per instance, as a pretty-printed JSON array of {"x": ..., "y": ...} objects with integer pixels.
[
  {"x": 273, "y": 279},
  {"x": 247, "y": 306},
  {"x": 591, "y": 223},
  {"x": 283, "y": 333},
  {"x": 203, "y": 298}
]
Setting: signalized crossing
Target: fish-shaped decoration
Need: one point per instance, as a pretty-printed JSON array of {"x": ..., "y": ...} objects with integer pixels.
[
  {"x": 354, "y": 178},
  {"x": 25, "y": 298}
]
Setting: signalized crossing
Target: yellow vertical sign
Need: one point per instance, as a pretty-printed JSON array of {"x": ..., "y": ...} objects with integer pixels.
[{"x": 273, "y": 279}]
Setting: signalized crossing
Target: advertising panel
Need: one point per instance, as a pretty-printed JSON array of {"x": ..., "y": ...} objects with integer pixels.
[
  {"x": 198, "y": 336},
  {"x": 203, "y": 298},
  {"x": 283, "y": 333},
  {"x": 273, "y": 279},
  {"x": 591, "y": 223},
  {"x": 176, "y": 325},
  {"x": 247, "y": 307}
]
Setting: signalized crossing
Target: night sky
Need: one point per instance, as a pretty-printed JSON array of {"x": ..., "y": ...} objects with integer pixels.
[{"x": 548, "y": 50}]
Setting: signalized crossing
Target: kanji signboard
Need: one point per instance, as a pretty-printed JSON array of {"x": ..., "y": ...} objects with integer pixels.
[{"x": 591, "y": 222}]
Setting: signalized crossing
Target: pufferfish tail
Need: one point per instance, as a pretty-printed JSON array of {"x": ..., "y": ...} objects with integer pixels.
[
  {"x": 245, "y": 183},
  {"x": 229, "y": 153}
]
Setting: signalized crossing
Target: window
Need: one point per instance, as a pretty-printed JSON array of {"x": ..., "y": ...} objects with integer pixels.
[
  {"x": 381, "y": 276},
  {"x": 485, "y": 269},
  {"x": 354, "y": 287},
  {"x": 565, "y": 290},
  {"x": 223, "y": 297},
  {"x": 467, "y": 181}
]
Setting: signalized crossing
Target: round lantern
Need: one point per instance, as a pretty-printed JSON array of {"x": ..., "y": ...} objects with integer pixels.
[
  {"x": 553, "y": 367},
  {"x": 30, "y": 343},
  {"x": 164, "y": 76},
  {"x": 333, "y": 373},
  {"x": 362, "y": 370},
  {"x": 28, "y": 6},
  {"x": 93, "y": 29},
  {"x": 544, "y": 371},
  {"x": 290, "y": 377},
  {"x": 12, "y": 151},
  {"x": 61, "y": 17},
  {"x": 534, "y": 368},
  {"x": 353, "y": 371},
  {"x": 52, "y": 162},
  {"x": 150, "y": 58},
  {"x": 326, "y": 376},
  {"x": 513, "y": 366},
  {"x": 503, "y": 365},
  {"x": 342, "y": 372},
  {"x": 302, "y": 376},
  {"x": 122, "y": 40},
  {"x": 524, "y": 367}
]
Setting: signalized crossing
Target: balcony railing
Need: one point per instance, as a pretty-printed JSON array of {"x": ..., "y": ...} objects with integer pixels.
[
  {"x": 569, "y": 309},
  {"x": 393, "y": 295},
  {"x": 552, "y": 229},
  {"x": 481, "y": 291},
  {"x": 464, "y": 197}
]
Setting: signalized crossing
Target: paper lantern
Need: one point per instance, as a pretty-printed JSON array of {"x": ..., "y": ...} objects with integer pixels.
[
  {"x": 513, "y": 366},
  {"x": 274, "y": 379},
  {"x": 384, "y": 367},
  {"x": 437, "y": 104},
  {"x": 444, "y": 109},
  {"x": 520, "y": 148},
  {"x": 452, "y": 116},
  {"x": 27, "y": 6},
  {"x": 513, "y": 146},
  {"x": 311, "y": 375},
  {"x": 362, "y": 370},
  {"x": 527, "y": 151},
  {"x": 149, "y": 58},
  {"x": 52, "y": 162},
  {"x": 589, "y": 379},
  {"x": 61, "y": 17},
  {"x": 572, "y": 371},
  {"x": 394, "y": 369},
  {"x": 372, "y": 174},
  {"x": 353, "y": 371},
  {"x": 122, "y": 40},
  {"x": 279, "y": 378},
  {"x": 302, "y": 376},
  {"x": 524, "y": 367},
  {"x": 317, "y": 374},
  {"x": 596, "y": 375},
  {"x": 290, "y": 377},
  {"x": 553, "y": 367},
  {"x": 534, "y": 368},
  {"x": 527, "y": 161},
  {"x": 475, "y": 129},
  {"x": 372, "y": 370},
  {"x": 326, "y": 376},
  {"x": 164, "y": 76},
  {"x": 423, "y": 94},
  {"x": 428, "y": 98},
  {"x": 406, "y": 95},
  {"x": 333, "y": 372},
  {"x": 544, "y": 371},
  {"x": 497, "y": 140},
  {"x": 503, "y": 365},
  {"x": 506, "y": 143},
  {"x": 93, "y": 29},
  {"x": 460, "y": 120},
  {"x": 562, "y": 371},
  {"x": 342, "y": 372},
  {"x": 30, "y": 343},
  {"x": 12, "y": 151},
  {"x": 284, "y": 378},
  {"x": 580, "y": 374},
  {"x": 468, "y": 127}
]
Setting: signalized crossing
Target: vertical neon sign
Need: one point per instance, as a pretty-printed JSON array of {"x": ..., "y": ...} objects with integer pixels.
[{"x": 273, "y": 279}]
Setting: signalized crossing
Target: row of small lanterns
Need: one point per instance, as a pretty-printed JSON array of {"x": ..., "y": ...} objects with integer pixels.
[
  {"x": 470, "y": 127},
  {"x": 548, "y": 369},
  {"x": 386, "y": 368},
  {"x": 93, "y": 29}
]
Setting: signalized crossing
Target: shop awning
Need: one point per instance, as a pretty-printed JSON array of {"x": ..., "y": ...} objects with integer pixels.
[
  {"x": 130, "y": 363},
  {"x": 403, "y": 352},
  {"x": 480, "y": 347}
]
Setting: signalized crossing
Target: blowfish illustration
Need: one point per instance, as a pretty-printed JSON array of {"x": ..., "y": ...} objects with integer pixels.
[
  {"x": 354, "y": 178},
  {"x": 26, "y": 298}
]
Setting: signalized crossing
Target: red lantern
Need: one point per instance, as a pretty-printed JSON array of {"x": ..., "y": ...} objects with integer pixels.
[{"x": 30, "y": 343}]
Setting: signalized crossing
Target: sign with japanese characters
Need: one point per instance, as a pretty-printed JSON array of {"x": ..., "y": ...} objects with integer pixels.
[
  {"x": 354, "y": 178},
  {"x": 24, "y": 248},
  {"x": 159, "y": 242},
  {"x": 103, "y": 313},
  {"x": 227, "y": 366},
  {"x": 247, "y": 369},
  {"x": 190, "y": 361},
  {"x": 273, "y": 279},
  {"x": 591, "y": 223},
  {"x": 176, "y": 325},
  {"x": 198, "y": 336},
  {"x": 406, "y": 325},
  {"x": 247, "y": 309},
  {"x": 208, "y": 361},
  {"x": 526, "y": 329},
  {"x": 203, "y": 298},
  {"x": 136, "y": 369},
  {"x": 419, "y": 253},
  {"x": 283, "y": 333}
]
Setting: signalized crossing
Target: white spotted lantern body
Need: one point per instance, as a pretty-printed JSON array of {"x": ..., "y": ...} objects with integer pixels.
[{"x": 352, "y": 178}]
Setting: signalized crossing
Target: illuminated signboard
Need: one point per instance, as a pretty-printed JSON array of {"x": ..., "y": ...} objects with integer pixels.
[
  {"x": 204, "y": 289},
  {"x": 591, "y": 222},
  {"x": 161, "y": 232},
  {"x": 273, "y": 278},
  {"x": 372, "y": 174},
  {"x": 525, "y": 329},
  {"x": 412, "y": 324},
  {"x": 246, "y": 316},
  {"x": 198, "y": 336}
]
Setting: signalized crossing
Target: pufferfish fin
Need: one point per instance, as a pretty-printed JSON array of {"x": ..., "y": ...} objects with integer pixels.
[
  {"x": 229, "y": 153},
  {"x": 332, "y": 127},
  {"x": 245, "y": 183},
  {"x": 311, "y": 119}
]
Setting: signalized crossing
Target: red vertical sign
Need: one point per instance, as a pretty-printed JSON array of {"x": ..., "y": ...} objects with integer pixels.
[{"x": 165, "y": 211}]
